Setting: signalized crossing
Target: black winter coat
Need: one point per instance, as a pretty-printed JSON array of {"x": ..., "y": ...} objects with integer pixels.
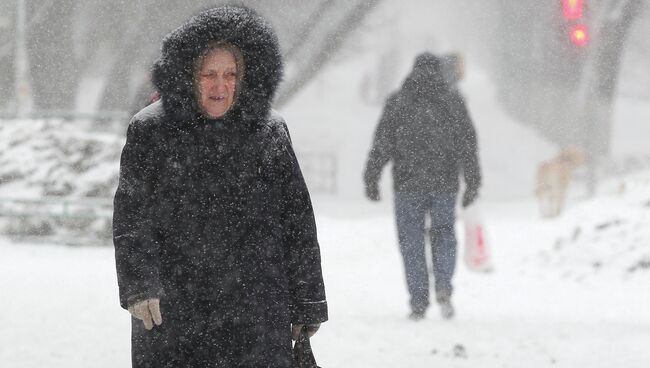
[
  {"x": 212, "y": 216},
  {"x": 426, "y": 131}
]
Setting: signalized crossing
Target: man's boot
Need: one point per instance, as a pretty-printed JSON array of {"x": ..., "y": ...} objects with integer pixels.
[
  {"x": 417, "y": 313},
  {"x": 446, "y": 309}
]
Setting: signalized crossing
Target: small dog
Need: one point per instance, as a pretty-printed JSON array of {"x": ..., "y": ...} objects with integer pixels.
[{"x": 553, "y": 178}]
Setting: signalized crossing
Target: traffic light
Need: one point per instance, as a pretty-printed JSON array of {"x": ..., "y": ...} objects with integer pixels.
[
  {"x": 574, "y": 14},
  {"x": 572, "y": 9},
  {"x": 579, "y": 35}
]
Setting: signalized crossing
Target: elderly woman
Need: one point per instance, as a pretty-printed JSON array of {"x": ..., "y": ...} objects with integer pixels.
[{"x": 215, "y": 240}]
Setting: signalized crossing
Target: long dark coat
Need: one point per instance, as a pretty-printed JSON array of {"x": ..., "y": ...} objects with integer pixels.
[
  {"x": 426, "y": 132},
  {"x": 212, "y": 216}
]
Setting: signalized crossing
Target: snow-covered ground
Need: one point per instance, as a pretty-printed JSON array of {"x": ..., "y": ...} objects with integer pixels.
[{"x": 544, "y": 305}]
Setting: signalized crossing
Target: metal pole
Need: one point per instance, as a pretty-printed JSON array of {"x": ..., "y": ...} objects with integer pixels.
[{"x": 21, "y": 65}]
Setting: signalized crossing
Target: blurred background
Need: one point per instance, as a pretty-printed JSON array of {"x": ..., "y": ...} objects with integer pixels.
[{"x": 540, "y": 77}]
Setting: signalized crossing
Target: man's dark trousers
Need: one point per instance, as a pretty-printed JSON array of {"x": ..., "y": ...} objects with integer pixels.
[{"x": 410, "y": 212}]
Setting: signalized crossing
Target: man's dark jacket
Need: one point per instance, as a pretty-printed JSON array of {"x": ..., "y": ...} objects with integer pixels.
[
  {"x": 426, "y": 131},
  {"x": 212, "y": 216}
]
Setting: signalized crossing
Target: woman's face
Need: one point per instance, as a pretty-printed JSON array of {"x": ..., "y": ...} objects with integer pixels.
[{"x": 216, "y": 82}]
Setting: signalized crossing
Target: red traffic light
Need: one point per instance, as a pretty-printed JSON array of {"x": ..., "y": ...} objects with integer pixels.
[
  {"x": 579, "y": 35},
  {"x": 572, "y": 9}
]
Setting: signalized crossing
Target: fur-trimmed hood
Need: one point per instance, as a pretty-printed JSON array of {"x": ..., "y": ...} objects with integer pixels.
[{"x": 173, "y": 72}]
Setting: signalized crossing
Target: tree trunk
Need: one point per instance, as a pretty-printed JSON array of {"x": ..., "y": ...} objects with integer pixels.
[
  {"x": 599, "y": 80},
  {"x": 53, "y": 67},
  {"x": 7, "y": 46}
]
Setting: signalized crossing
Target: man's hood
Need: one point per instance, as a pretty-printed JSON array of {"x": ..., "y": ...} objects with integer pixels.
[{"x": 425, "y": 79}]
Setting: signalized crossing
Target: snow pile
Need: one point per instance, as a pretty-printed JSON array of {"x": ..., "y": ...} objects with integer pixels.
[
  {"x": 56, "y": 180},
  {"x": 54, "y": 158},
  {"x": 607, "y": 236}
]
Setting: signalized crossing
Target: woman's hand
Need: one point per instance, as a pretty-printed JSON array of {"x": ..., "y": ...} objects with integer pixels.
[{"x": 148, "y": 311}]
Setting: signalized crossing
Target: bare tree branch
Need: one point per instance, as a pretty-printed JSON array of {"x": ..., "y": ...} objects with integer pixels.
[
  {"x": 324, "y": 6},
  {"x": 333, "y": 42}
]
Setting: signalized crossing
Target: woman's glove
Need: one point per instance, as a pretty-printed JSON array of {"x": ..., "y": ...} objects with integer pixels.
[
  {"x": 310, "y": 329},
  {"x": 148, "y": 311}
]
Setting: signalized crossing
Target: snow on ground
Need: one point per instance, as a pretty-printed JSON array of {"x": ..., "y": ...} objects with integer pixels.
[
  {"x": 526, "y": 312},
  {"x": 608, "y": 235},
  {"x": 60, "y": 307}
]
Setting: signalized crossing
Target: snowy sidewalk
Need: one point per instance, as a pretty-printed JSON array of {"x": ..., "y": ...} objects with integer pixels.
[
  {"x": 58, "y": 305},
  {"x": 520, "y": 315}
]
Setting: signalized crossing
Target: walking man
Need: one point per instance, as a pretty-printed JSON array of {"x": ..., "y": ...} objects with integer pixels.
[{"x": 427, "y": 134}]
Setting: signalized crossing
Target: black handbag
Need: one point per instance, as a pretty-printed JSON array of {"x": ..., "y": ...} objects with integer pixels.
[{"x": 303, "y": 356}]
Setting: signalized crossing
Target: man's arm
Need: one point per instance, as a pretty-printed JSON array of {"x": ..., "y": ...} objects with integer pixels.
[
  {"x": 467, "y": 150},
  {"x": 382, "y": 148}
]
